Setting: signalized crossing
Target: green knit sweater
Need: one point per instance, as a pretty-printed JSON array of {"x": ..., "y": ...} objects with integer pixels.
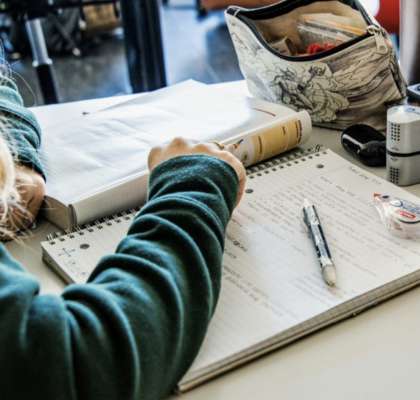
[
  {"x": 135, "y": 328},
  {"x": 21, "y": 127}
]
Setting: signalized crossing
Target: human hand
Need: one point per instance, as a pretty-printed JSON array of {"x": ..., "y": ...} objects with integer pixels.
[
  {"x": 31, "y": 188},
  {"x": 180, "y": 147}
]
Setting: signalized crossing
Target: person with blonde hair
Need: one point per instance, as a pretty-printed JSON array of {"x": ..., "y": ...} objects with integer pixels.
[
  {"x": 22, "y": 184},
  {"x": 132, "y": 331}
]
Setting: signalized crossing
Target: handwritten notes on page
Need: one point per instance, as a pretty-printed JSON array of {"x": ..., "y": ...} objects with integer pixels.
[
  {"x": 272, "y": 289},
  {"x": 271, "y": 277}
]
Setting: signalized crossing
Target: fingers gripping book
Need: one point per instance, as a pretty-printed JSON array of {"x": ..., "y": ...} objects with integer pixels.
[{"x": 97, "y": 165}]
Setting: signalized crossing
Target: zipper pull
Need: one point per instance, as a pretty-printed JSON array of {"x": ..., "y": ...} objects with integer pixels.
[{"x": 381, "y": 44}]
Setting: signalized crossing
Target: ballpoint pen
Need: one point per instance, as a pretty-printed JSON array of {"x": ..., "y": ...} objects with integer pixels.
[{"x": 311, "y": 219}]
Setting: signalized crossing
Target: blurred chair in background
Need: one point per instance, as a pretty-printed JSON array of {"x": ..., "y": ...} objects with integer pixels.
[{"x": 142, "y": 38}]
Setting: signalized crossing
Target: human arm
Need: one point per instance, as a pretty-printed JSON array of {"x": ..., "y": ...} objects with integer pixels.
[
  {"x": 133, "y": 331},
  {"x": 20, "y": 126},
  {"x": 21, "y": 131}
]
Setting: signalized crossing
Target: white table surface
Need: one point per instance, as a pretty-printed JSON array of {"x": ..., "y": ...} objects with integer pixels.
[{"x": 375, "y": 355}]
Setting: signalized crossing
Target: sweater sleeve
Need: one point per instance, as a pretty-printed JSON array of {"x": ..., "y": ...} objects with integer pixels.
[
  {"x": 135, "y": 328},
  {"x": 21, "y": 128}
]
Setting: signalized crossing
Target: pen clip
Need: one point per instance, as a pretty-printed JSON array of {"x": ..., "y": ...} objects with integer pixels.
[{"x": 305, "y": 221}]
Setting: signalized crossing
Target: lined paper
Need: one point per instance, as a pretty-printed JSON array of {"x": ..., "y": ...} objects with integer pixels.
[{"x": 271, "y": 277}]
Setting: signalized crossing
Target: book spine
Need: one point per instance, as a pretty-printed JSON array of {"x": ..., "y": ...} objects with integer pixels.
[{"x": 273, "y": 139}]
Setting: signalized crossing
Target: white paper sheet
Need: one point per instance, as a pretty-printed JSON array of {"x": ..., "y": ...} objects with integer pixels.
[
  {"x": 271, "y": 281},
  {"x": 84, "y": 155},
  {"x": 271, "y": 276}
]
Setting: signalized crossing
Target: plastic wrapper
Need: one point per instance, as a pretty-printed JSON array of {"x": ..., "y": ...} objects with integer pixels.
[{"x": 401, "y": 217}]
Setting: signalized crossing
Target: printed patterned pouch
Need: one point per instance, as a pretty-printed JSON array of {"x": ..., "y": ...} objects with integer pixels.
[{"x": 353, "y": 82}]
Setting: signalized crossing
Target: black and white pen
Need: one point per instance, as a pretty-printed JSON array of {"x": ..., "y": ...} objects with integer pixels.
[{"x": 311, "y": 219}]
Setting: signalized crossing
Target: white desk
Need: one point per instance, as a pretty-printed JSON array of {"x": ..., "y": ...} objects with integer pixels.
[{"x": 373, "y": 356}]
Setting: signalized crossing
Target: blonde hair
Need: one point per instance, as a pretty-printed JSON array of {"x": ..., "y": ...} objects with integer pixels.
[
  {"x": 10, "y": 209},
  {"x": 9, "y": 194}
]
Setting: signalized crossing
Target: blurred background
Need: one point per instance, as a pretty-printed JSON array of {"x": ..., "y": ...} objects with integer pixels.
[
  {"x": 89, "y": 56},
  {"x": 194, "y": 48}
]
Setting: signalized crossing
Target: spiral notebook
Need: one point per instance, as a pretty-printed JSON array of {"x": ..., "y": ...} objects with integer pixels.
[{"x": 272, "y": 290}]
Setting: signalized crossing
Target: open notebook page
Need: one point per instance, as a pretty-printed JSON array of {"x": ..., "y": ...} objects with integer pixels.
[{"x": 271, "y": 277}]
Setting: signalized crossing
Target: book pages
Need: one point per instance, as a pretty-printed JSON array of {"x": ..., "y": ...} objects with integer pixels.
[{"x": 88, "y": 156}]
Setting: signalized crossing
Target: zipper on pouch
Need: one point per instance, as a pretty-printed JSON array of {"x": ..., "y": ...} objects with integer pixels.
[
  {"x": 378, "y": 33},
  {"x": 371, "y": 30}
]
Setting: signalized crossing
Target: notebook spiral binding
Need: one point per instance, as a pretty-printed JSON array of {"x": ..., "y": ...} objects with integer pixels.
[
  {"x": 279, "y": 161},
  {"x": 284, "y": 160},
  {"x": 116, "y": 218}
]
